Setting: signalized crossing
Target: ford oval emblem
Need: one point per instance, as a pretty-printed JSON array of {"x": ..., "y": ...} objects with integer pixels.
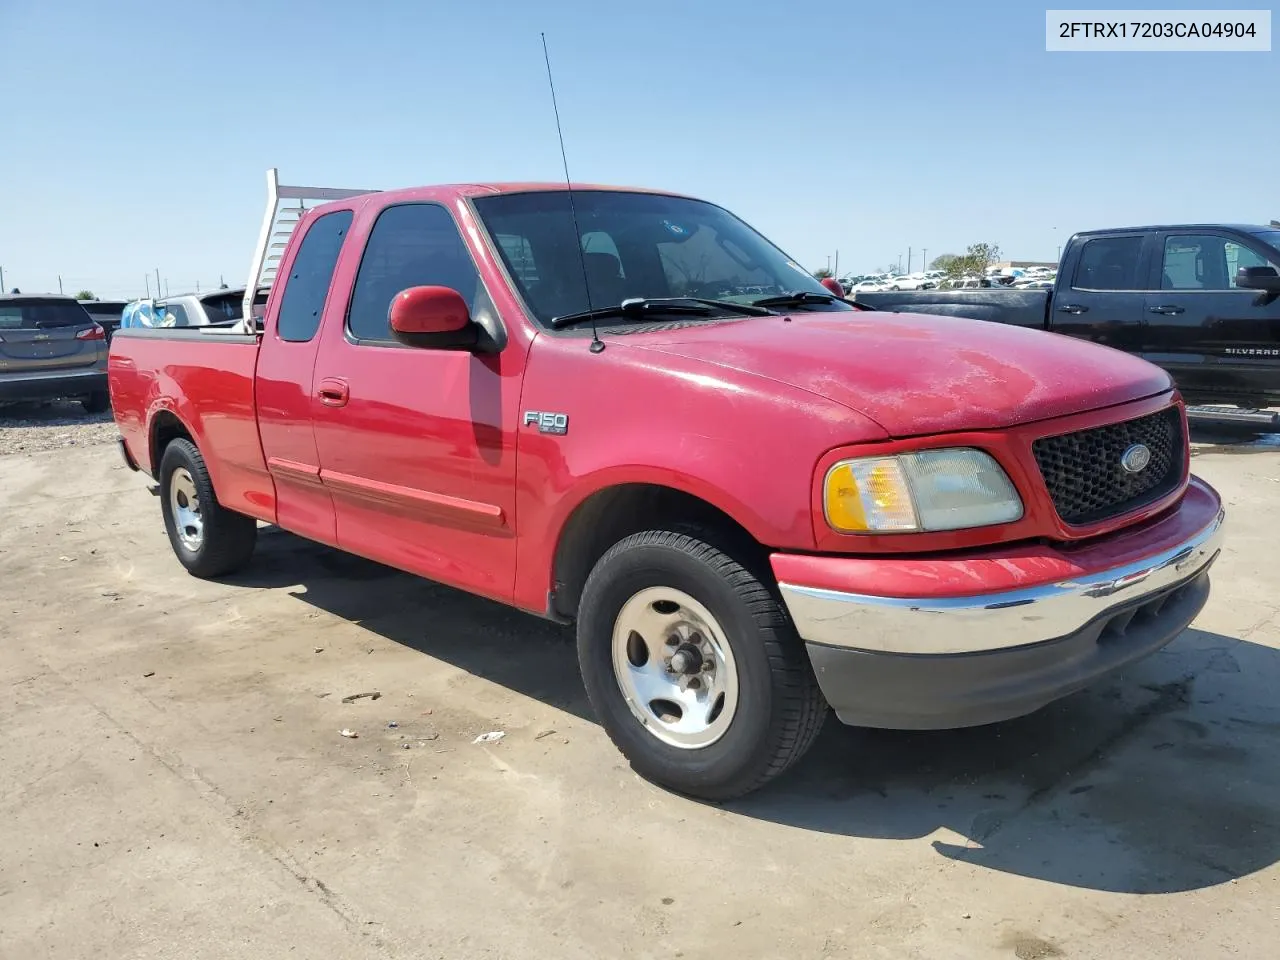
[{"x": 1136, "y": 458}]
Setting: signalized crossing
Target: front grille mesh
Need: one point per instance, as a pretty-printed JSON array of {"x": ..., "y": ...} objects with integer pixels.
[{"x": 1083, "y": 473}]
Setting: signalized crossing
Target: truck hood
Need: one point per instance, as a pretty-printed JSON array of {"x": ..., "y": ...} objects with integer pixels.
[{"x": 915, "y": 374}]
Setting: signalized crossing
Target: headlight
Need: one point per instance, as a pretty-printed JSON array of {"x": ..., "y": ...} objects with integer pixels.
[{"x": 931, "y": 490}]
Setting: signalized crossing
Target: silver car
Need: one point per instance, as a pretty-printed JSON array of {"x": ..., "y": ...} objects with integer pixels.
[{"x": 50, "y": 349}]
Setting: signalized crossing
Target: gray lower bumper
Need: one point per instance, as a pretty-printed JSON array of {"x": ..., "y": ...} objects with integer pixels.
[{"x": 915, "y": 692}]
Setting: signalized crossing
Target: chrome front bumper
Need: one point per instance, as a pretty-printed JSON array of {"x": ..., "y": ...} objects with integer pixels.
[{"x": 997, "y": 621}]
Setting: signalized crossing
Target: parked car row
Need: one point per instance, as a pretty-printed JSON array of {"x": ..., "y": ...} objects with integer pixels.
[{"x": 923, "y": 280}]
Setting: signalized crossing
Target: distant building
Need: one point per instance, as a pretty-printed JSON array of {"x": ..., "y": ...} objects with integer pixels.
[{"x": 1023, "y": 264}]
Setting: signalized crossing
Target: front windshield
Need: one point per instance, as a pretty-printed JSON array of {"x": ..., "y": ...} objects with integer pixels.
[{"x": 634, "y": 245}]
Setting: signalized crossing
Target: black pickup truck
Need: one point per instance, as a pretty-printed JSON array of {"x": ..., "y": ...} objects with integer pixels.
[{"x": 1200, "y": 300}]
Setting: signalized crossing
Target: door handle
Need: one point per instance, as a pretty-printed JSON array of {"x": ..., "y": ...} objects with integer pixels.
[
  {"x": 1073, "y": 308},
  {"x": 333, "y": 392},
  {"x": 1167, "y": 310}
]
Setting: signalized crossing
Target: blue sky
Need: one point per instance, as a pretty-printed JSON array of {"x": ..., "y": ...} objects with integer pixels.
[{"x": 136, "y": 135}]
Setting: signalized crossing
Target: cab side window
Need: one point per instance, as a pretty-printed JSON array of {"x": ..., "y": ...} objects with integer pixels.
[
  {"x": 179, "y": 314},
  {"x": 1205, "y": 262},
  {"x": 411, "y": 245},
  {"x": 1109, "y": 263},
  {"x": 307, "y": 286}
]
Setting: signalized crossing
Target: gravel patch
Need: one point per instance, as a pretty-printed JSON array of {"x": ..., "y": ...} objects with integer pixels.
[{"x": 31, "y": 427}]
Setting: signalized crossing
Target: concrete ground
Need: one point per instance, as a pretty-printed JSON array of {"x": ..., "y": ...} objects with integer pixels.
[{"x": 173, "y": 782}]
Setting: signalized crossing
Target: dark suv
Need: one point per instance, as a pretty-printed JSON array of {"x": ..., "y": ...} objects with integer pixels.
[{"x": 50, "y": 348}]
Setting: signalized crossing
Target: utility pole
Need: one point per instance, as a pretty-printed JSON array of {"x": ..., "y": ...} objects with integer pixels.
[
  {"x": 835, "y": 272},
  {"x": 59, "y": 283},
  {"x": 157, "y": 282},
  {"x": 924, "y": 258},
  {"x": 908, "y": 259},
  {"x": 828, "y": 263},
  {"x": 147, "y": 280},
  {"x": 1, "y": 279}
]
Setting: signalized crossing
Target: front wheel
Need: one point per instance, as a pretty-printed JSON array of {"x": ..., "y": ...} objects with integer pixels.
[
  {"x": 208, "y": 539},
  {"x": 693, "y": 667}
]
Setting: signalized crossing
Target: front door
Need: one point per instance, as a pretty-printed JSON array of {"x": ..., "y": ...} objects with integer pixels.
[
  {"x": 417, "y": 445},
  {"x": 1217, "y": 340},
  {"x": 1100, "y": 293}
]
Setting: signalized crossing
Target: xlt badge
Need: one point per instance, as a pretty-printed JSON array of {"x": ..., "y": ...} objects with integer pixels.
[{"x": 557, "y": 423}]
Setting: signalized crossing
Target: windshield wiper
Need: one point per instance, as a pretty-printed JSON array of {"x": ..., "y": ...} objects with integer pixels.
[
  {"x": 638, "y": 308},
  {"x": 798, "y": 298},
  {"x": 795, "y": 298}
]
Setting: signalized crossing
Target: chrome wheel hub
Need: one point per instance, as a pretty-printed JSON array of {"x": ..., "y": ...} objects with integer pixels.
[
  {"x": 675, "y": 667},
  {"x": 184, "y": 500}
]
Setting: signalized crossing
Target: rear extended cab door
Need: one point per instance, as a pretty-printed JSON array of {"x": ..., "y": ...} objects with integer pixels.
[
  {"x": 285, "y": 392},
  {"x": 1221, "y": 343},
  {"x": 1101, "y": 289}
]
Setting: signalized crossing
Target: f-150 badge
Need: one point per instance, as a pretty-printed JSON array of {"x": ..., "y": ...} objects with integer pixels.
[{"x": 557, "y": 423}]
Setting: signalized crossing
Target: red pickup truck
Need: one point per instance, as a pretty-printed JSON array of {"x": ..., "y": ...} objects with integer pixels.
[{"x": 629, "y": 410}]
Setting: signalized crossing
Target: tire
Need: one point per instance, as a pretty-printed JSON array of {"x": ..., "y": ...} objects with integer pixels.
[
  {"x": 98, "y": 402},
  {"x": 208, "y": 539},
  {"x": 777, "y": 709}
]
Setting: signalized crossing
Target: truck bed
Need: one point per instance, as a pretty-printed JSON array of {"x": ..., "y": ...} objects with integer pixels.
[
  {"x": 1019, "y": 308},
  {"x": 202, "y": 379}
]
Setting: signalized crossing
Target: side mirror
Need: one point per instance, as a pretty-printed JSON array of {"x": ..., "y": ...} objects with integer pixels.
[
  {"x": 1258, "y": 278},
  {"x": 832, "y": 284},
  {"x": 433, "y": 317}
]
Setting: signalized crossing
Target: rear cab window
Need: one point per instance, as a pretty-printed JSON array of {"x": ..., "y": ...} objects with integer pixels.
[
  {"x": 1110, "y": 263},
  {"x": 229, "y": 307},
  {"x": 310, "y": 275}
]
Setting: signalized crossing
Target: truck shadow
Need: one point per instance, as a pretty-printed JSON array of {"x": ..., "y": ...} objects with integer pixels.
[{"x": 1162, "y": 779}]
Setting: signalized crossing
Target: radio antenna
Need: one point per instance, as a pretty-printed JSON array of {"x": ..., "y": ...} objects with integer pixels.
[{"x": 596, "y": 343}]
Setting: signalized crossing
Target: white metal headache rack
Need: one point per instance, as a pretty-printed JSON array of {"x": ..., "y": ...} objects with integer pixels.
[{"x": 277, "y": 226}]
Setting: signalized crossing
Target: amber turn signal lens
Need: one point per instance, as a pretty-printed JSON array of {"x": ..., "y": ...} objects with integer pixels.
[{"x": 869, "y": 496}]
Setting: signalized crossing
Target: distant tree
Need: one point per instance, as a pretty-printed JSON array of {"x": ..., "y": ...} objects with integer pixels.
[
  {"x": 85, "y": 295},
  {"x": 943, "y": 262},
  {"x": 982, "y": 255},
  {"x": 977, "y": 257},
  {"x": 822, "y": 273}
]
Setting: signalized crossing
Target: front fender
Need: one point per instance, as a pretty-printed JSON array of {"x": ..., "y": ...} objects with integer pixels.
[{"x": 743, "y": 444}]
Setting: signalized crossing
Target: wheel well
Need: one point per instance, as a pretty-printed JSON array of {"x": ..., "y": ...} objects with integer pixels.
[
  {"x": 165, "y": 428},
  {"x": 612, "y": 514}
]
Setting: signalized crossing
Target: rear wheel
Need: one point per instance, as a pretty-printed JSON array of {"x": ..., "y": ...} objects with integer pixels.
[
  {"x": 693, "y": 667},
  {"x": 98, "y": 402},
  {"x": 208, "y": 539}
]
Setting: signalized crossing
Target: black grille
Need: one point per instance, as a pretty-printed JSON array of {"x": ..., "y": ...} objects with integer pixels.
[{"x": 1083, "y": 472}]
